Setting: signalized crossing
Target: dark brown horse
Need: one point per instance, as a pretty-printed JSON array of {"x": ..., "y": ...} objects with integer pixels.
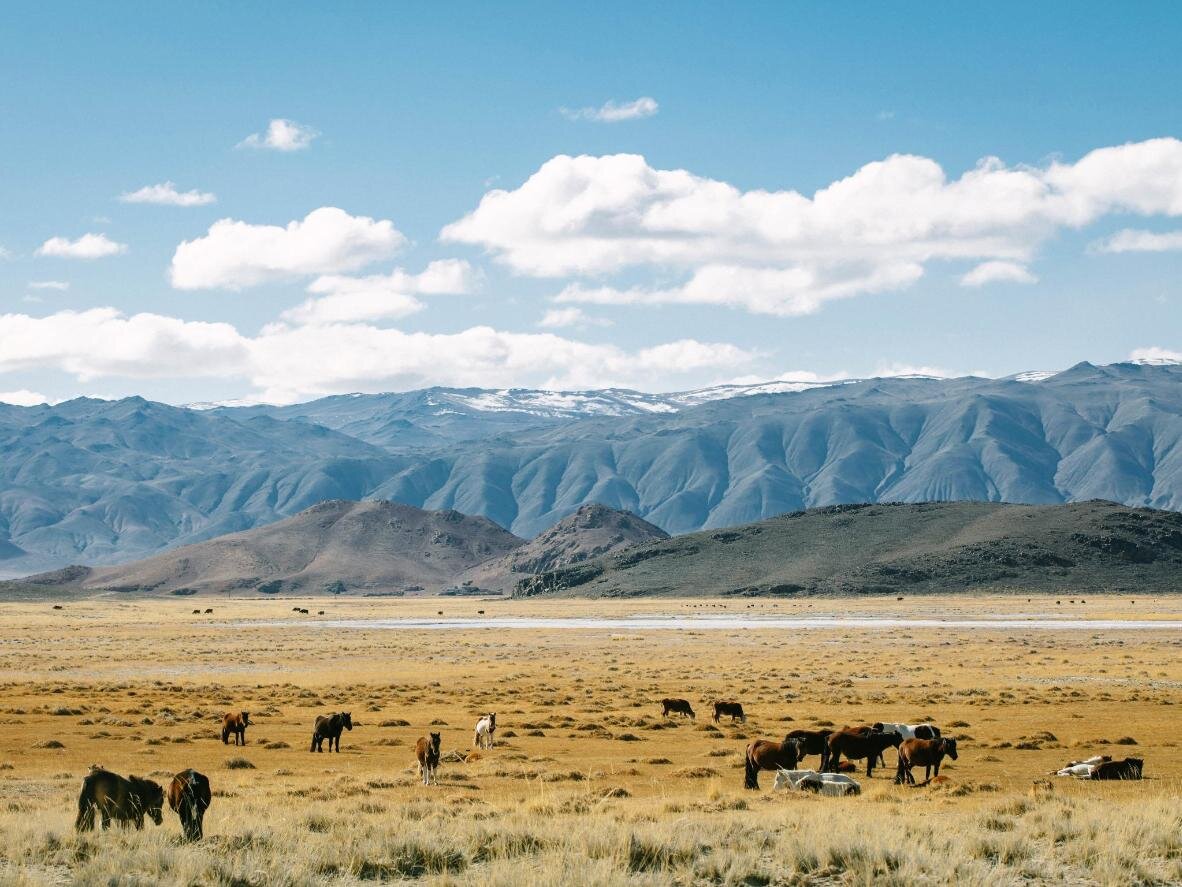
[
  {"x": 677, "y": 706},
  {"x": 734, "y": 709},
  {"x": 235, "y": 723},
  {"x": 427, "y": 752},
  {"x": 813, "y": 742},
  {"x": 189, "y": 797},
  {"x": 856, "y": 744},
  {"x": 329, "y": 727},
  {"x": 1129, "y": 768},
  {"x": 764, "y": 754},
  {"x": 926, "y": 753},
  {"x": 124, "y": 800}
]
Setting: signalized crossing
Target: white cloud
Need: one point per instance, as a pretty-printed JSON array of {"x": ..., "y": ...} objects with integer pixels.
[
  {"x": 556, "y": 318},
  {"x": 998, "y": 272},
  {"x": 1133, "y": 241},
  {"x": 23, "y": 398},
  {"x": 1156, "y": 355},
  {"x": 236, "y": 254},
  {"x": 88, "y": 246},
  {"x": 784, "y": 252},
  {"x": 281, "y": 135},
  {"x": 166, "y": 194},
  {"x": 343, "y": 299},
  {"x": 59, "y": 285},
  {"x": 614, "y": 112}
]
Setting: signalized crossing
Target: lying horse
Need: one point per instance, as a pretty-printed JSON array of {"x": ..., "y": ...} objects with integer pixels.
[
  {"x": 677, "y": 706},
  {"x": 926, "y": 752},
  {"x": 835, "y": 785},
  {"x": 763, "y": 754},
  {"x": 329, "y": 727},
  {"x": 1129, "y": 768},
  {"x": 813, "y": 742},
  {"x": 910, "y": 731},
  {"x": 734, "y": 709},
  {"x": 1082, "y": 769},
  {"x": 124, "y": 800},
  {"x": 189, "y": 797},
  {"x": 855, "y": 745},
  {"x": 427, "y": 752},
  {"x": 235, "y": 722},
  {"x": 482, "y": 737}
]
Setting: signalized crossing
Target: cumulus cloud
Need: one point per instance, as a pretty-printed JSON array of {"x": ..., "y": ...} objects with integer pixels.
[
  {"x": 1133, "y": 241},
  {"x": 23, "y": 398},
  {"x": 557, "y": 318},
  {"x": 998, "y": 272},
  {"x": 88, "y": 246},
  {"x": 783, "y": 252},
  {"x": 281, "y": 135},
  {"x": 342, "y": 299},
  {"x": 166, "y": 194},
  {"x": 1155, "y": 354},
  {"x": 614, "y": 112},
  {"x": 236, "y": 254}
]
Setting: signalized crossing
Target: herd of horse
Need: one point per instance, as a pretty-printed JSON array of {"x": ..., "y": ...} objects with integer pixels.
[{"x": 128, "y": 800}]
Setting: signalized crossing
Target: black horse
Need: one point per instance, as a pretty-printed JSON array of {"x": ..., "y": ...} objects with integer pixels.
[{"x": 329, "y": 727}]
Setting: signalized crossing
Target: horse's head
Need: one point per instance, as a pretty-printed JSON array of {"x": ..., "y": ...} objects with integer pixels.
[
  {"x": 948, "y": 746},
  {"x": 436, "y": 739},
  {"x": 492, "y": 720},
  {"x": 246, "y": 719},
  {"x": 149, "y": 797},
  {"x": 347, "y": 720},
  {"x": 895, "y": 739},
  {"x": 877, "y": 727}
]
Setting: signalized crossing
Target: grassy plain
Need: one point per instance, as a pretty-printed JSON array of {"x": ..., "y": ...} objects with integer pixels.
[{"x": 588, "y": 783}]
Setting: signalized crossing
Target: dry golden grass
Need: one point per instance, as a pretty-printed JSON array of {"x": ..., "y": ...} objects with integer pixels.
[{"x": 588, "y": 783}]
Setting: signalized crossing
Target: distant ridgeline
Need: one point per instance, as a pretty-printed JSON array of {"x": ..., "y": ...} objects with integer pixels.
[{"x": 104, "y": 482}]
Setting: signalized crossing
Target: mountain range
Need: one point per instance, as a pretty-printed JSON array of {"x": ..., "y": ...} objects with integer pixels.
[{"x": 97, "y": 482}]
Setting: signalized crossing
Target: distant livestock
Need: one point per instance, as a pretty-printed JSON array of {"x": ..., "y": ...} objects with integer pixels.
[
  {"x": 733, "y": 709},
  {"x": 1082, "y": 769},
  {"x": 813, "y": 742},
  {"x": 857, "y": 744},
  {"x": 189, "y": 797},
  {"x": 427, "y": 753},
  {"x": 330, "y": 727},
  {"x": 115, "y": 798},
  {"x": 764, "y": 754},
  {"x": 677, "y": 706},
  {"x": 928, "y": 753},
  {"x": 235, "y": 723},
  {"x": 910, "y": 731},
  {"x": 482, "y": 736},
  {"x": 834, "y": 785},
  {"x": 1129, "y": 768}
]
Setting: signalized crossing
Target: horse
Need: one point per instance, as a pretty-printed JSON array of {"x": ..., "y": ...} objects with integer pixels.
[
  {"x": 329, "y": 727},
  {"x": 482, "y": 737},
  {"x": 235, "y": 722},
  {"x": 734, "y": 709},
  {"x": 189, "y": 797},
  {"x": 834, "y": 785},
  {"x": 124, "y": 800},
  {"x": 928, "y": 752},
  {"x": 910, "y": 731},
  {"x": 856, "y": 745},
  {"x": 813, "y": 742},
  {"x": 764, "y": 754},
  {"x": 1129, "y": 768},
  {"x": 427, "y": 752},
  {"x": 1081, "y": 769},
  {"x": 677, "y": 706}
]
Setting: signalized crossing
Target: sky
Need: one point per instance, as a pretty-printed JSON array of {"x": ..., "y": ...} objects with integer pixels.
[{"x": 213, "y": 202}]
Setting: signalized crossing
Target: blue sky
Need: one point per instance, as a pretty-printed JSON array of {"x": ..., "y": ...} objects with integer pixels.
[{"x": 639, "y": 275}]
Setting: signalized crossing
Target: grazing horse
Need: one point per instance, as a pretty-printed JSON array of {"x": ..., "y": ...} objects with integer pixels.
[
  {"x": 834, "y": 785},
  {"x": 764, "y": 754},
  {"x": 427, "y": 751},
  {"x": 329, "y": 727},
  {"x": 910, "y": 731},
  {"x": 1129, "y": 768},
  {"x": 677, "y": 706},
  {"x": 482, "y": 737},
  {"x": 734, "y": 709},
  {"x": 855, "y": 745},
  {"x": 235, "y": 722},
  {"x": 813, "y": 742},
  {"x": 124, "y": 800},
  {"x": 928, "y": 752},
  {"x": 189, "y": 796}
]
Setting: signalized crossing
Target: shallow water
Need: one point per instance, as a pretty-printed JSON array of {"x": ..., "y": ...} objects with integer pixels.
[{"x": 727, "y": 623}]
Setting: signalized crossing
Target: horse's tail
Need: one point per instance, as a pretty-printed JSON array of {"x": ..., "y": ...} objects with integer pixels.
[
  {"x": 313, "y": 748},
  {"x": 85, "y": 818},
  {"x": 225, "y": 734},
  {"x": 750, "y": 771}
]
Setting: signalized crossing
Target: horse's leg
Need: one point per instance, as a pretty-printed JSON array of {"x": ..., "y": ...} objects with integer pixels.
[{"x": 870, "y": 759}]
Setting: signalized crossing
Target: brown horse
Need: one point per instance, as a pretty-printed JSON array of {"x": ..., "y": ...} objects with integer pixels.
[
  {"x": 813, "y": 742},
  {"x": 124, "y": 800},
  {"x": 734, "y": 709},
  {"x": 427, "y": 752},
  {"x": 855, "y": 744},
  {"x": 1129, "y": 768},
  {"x": 677, "y": 706},
  {"x": 235, "y": 722},
  {"x": 329, "y": 727},
  {"x": 189, "y": 797},
  {"x": 764, "y": 754},
  {"x": 927, "y": 753}
]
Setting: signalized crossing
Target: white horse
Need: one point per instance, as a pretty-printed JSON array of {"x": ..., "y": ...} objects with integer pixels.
[
  {"x": 485, "y": 728},
  {"x": 834, "y": 785},
  {"x": 1083, "y": 769},
  {"x": 911, "y": 731}
]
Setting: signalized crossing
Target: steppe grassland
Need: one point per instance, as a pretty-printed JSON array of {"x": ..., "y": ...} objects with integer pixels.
[{"x": 588, "y": 783}]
